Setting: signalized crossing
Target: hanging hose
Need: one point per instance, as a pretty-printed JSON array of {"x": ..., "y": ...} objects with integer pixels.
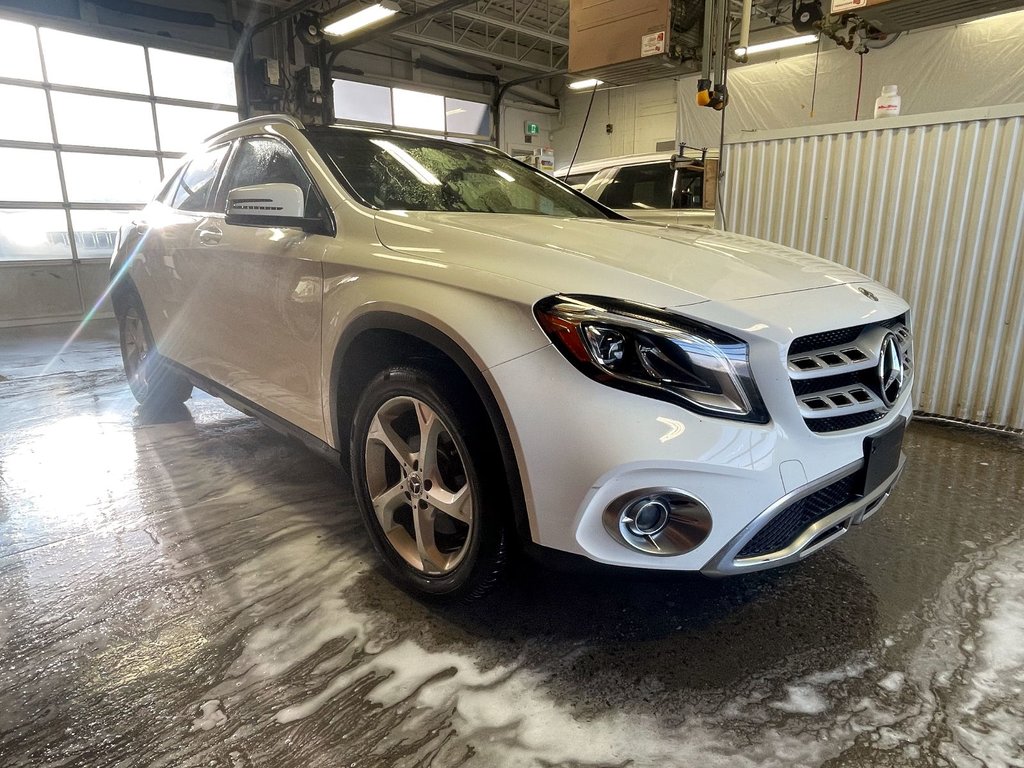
[
  {"x": 860, "y": 86},
  {"x": 726, "y": 32},
  {"x": 814, "y": 85}
]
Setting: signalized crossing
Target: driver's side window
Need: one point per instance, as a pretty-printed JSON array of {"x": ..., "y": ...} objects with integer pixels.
[{"x": 264, "y": 160}]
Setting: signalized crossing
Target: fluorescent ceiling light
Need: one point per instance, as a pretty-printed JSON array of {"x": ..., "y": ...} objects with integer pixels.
[
  {"x": 506, "y": 176},
  {"x": 365, "y": 17},
  {"x": 579, "y": 85},
  {"x": 774, "y": 45}
]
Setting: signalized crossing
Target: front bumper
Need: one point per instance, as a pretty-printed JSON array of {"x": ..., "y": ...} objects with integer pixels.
[
  {"x": 820, "y": 533},
  {"x": 582, "y": 445}
]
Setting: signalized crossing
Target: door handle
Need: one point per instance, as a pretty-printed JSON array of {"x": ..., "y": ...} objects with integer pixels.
[{"x": 210, "y": 236}]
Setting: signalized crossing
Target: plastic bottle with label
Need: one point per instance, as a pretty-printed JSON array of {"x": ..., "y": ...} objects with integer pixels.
[{"x": 888, "y": 104}]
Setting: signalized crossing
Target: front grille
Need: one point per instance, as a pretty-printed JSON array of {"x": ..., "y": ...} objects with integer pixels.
[
  {"x": 826, "y": 339},
  {"x": 837, "y": 423},
  {"x": 783, "y": 529},
  {"x": 835, "y": 376}
]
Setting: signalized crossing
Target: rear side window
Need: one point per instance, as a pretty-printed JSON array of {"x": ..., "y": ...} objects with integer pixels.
[
  {"x": 640, "y": 186},
  {"x": 578, "y": 180},
  {"x": 689, "y": 190},
  {"x": 269, "y": 161},
  {"x": 197, "y": 181}
]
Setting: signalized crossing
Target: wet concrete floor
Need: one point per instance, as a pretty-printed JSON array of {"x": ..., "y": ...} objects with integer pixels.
[{"x": 199, "y": 592}]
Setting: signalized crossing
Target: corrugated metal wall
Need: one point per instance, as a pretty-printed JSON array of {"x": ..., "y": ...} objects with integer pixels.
[{"x": 932, "y": 207}]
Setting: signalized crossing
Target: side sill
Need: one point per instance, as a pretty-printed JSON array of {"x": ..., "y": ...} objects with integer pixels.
[{"x": 248, "y": 407}]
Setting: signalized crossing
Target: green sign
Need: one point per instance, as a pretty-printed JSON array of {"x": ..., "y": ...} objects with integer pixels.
[{"x": 532, "y": 129}]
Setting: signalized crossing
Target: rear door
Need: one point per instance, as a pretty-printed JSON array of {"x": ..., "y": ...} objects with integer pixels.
[
  {"x": 262, "y": 292},
  {"x": 169, "y": 288}
]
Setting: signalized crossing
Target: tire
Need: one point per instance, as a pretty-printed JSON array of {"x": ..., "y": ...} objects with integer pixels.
[
  {"x": 151, "y": 379},
  {"x": 435, "y": 508}
]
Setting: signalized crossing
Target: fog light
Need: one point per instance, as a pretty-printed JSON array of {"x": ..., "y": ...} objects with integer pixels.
[
  {"x": 658, "y": 521},
  {"x": 647, "y": 517}
]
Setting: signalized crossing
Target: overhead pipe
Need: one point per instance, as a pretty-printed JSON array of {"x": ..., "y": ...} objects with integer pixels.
[
  {"x": 704, "y": 84},
  {"x": 721, "y": 52},
  {"x": 745, "y": 27},
  {"x": 711, "y": 91},
  {"x": 496, "y": 104}
]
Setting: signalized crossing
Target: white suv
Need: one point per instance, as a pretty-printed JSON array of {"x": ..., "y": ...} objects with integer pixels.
[
  {"x": 499, "y": 359},
  {"x": 659, "y": 188}
]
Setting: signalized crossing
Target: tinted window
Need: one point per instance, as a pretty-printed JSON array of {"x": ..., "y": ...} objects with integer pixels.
[
  {"x": 269, "y": 161},
  {"x": 193, "y": 193},
  {"x": 640, "y": 186},
  {"x": 395, "y": 172}
]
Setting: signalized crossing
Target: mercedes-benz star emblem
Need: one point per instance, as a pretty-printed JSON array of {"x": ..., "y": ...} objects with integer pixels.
[
  {"x": 868, "y": 293},
  {"x": 890, "y": 369}
]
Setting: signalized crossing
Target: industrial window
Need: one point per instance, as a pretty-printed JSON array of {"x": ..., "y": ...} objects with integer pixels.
[
  {"x": 19, "y": 51},
  {"x": 362, "y": 102},
  {"x": 416, "y": 109},
  {"x": 471, "y": 118},
  {"x": 404, "y": 108},
  {"x": 123, "y": 115}
]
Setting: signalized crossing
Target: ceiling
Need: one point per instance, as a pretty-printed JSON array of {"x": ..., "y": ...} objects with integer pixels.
[{"x": 523, "y": 37}]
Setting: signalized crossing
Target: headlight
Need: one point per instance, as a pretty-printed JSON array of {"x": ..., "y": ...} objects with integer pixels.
[{"x": 655, "y": 353}]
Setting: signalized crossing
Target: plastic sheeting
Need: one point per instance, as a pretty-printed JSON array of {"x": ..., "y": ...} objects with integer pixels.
[
  {"x": 929, "y": 205},
  {"x": 974, "y": 64}
]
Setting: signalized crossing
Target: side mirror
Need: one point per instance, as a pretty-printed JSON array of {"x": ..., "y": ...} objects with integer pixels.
[{"x": 269, "y": 205}]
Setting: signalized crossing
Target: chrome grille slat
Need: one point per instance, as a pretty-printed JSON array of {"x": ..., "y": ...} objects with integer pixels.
[
  {"x": 859, "y": 399},
  {"x": 841, "y": 359},
  {"x": 833, "y": 374}
]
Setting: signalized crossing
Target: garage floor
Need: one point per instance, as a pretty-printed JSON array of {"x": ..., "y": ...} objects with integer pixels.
[{"x": 192, "y": 589}]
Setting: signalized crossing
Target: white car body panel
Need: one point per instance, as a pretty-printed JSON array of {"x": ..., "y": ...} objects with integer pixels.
[
  {"x": 647, "y": 262},
  {"x": 263, "y": 310},
  {"x": 712, "y": 459}
]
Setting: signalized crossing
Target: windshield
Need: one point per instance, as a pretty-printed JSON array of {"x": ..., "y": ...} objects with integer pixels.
[{"x": 411, "y": 173}]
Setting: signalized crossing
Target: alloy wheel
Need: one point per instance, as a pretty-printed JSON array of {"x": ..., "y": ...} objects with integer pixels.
[
  {"x": 418, "y": 485},
  {"x": 135, "y": 346}
]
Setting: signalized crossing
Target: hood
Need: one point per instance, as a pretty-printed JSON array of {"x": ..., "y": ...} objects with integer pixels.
[{"x": 640, "y": 261}]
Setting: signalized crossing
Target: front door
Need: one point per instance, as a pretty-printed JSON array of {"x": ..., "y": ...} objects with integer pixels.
[{"x": 262, "y": 293}]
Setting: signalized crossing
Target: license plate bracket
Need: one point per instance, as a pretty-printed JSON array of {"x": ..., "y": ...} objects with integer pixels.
[{"x": 882, "y": 455}]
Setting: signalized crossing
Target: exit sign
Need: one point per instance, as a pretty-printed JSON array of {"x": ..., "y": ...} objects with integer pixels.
[{"x": 532, "y": 129}]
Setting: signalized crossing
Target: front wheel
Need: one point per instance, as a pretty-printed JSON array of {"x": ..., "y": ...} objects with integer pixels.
[
  {"x": 428, "y": 484},
  {"x": 150, "y": 378}
]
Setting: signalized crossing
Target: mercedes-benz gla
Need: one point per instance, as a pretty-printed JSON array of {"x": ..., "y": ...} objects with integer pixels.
[{"x": 497, "y": 359}]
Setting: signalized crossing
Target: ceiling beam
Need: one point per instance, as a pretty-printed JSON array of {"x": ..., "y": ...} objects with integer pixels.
[
  {"x": 498, "y": 58},
  {"x": 514, "y": 27}
]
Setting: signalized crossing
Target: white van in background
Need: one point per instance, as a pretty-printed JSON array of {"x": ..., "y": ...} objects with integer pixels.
[{"x": 652, "y": 187}]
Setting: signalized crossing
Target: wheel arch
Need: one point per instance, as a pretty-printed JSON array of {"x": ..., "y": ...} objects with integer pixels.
[
  {"x": 381, "y": 338},
  {"x": 121, "y": 288}
]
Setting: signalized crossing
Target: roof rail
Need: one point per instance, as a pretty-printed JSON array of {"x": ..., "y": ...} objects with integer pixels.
[{"x": 293, "y": 121}]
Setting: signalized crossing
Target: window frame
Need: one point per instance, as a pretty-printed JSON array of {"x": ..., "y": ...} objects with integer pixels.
[{"x": 214, "y": 188}]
